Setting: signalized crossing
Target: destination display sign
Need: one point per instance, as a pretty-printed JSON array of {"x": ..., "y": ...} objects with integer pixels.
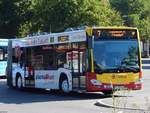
[{"x": 115, "y": 33}]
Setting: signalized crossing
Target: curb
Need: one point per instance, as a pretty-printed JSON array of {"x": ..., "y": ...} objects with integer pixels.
[{"x": 102, "y": 104}]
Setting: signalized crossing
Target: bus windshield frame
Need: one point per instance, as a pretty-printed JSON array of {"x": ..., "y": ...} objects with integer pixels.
[{"x": 116, "y": 51}]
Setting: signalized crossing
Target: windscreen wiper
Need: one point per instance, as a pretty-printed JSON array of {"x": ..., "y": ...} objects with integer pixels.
[{"x": 99, "y": 68}]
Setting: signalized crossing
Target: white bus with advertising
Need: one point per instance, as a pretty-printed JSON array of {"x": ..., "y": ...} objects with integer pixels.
[
  {"x": 74, "y": 60},
  {"x": 3, "y": 57}
]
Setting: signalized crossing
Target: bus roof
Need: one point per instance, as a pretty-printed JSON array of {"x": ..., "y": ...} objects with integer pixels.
[
  {"x": 59, "y": 38},
  {"x": 52, "y": 38},
  {"x": 116, "y": 27}
]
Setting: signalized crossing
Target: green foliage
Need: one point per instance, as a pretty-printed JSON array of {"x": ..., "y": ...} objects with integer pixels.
[
  {"x": 22, "y": 17},
  {"x": 24, "y": 29},
  {"x": 145, "y": 28},
  {"x": 57, "y": 15},
  {"x": 12, "y": 14},
  {"x": 8, "y": 18},
  {"x": 135, "y": 13}
]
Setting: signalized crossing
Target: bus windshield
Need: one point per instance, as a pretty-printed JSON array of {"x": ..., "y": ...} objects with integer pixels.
[{"x": 116, "y": 55}]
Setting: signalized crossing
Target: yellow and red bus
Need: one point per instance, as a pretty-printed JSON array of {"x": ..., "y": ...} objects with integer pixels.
[
  {"x": 102, "y": 59},
  {"x": 115, "y": 59}
]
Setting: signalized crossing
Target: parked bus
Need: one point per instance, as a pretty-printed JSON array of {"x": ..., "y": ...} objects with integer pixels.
[
  {"x": 3, "y": 57},
  {"x": 102, "y": 59}
]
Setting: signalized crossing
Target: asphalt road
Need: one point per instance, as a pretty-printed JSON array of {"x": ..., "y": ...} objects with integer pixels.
[{"x": 40, "y": 101}]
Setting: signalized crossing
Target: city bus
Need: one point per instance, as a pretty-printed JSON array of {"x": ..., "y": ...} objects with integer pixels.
[
  {"x": 3, "y": 57},
  {"x": 105, "y": 59}
]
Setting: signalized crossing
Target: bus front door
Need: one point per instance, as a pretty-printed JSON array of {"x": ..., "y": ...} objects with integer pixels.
[{"x": 75, "y": 60}]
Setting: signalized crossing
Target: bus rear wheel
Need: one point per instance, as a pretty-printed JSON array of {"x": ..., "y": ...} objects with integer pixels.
[
  {"x": 64, "y": 85},
  {"x": 19, "y": 82}
]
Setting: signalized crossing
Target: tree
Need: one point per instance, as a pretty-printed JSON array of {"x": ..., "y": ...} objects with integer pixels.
[
  {"x": 57, "y": 15},
  {"x": 12, "y": 14},
  {"x": 22, "y": 17},
  {"x": 135, "y": 13}
]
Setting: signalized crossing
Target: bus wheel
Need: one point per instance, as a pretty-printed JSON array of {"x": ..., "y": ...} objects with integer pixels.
[
  {"x": 64, "y": 85},
  {"x": 19, "y": 82}
]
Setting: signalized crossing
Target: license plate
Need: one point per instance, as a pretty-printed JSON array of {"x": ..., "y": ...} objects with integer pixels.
[{"x": 119, "y": 88}]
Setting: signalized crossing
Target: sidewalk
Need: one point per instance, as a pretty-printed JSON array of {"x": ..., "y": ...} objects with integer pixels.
[
  {"x": 132, "y": 100},
  {"x": 146, "y": 63},
  {"x": 145, "y": 58},
  {"x": 127, "y": 101}
]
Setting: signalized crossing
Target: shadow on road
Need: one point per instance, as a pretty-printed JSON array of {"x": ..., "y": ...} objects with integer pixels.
[{"x": 13, "y": 96}]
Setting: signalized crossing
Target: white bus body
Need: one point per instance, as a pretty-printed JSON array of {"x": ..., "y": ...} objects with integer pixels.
[{"x": 25, "y": 75}]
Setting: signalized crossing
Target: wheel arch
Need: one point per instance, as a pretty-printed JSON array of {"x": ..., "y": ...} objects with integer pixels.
[
  {"x": 65, "y": 76},
  {"x": 16, "y": 80},
  {"x": 62, "y": 77},
  {"x": 18, "y": 74}
]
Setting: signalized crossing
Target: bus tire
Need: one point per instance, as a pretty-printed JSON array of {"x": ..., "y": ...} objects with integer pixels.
[
  {"x": 64, "y": 84},
  {"x": 19, "y": 82}
]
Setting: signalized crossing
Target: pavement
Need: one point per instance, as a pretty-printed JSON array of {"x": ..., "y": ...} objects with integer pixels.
[
  {"x": 126, "y": 101},
  {"x": 146, "y": 63},
  {"x": 131, "y": 100}
]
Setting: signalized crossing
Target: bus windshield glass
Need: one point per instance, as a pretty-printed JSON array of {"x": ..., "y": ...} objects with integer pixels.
[{"x": 116, "y": 55}]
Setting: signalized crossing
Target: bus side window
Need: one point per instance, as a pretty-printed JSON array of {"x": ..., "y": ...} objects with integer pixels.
[
  {"x": 22, "y": 62},
  {"x": 50, "y": 62},
  {"x": 1, "y": 54},
  {"x": 61, "y": 59},
  {"x": 5, "y": 53}
]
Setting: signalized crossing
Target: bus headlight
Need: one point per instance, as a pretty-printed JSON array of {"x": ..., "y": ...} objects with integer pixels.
[
  {"x": 140, "y": 81},
  {"x": 96, "y": 82}
]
